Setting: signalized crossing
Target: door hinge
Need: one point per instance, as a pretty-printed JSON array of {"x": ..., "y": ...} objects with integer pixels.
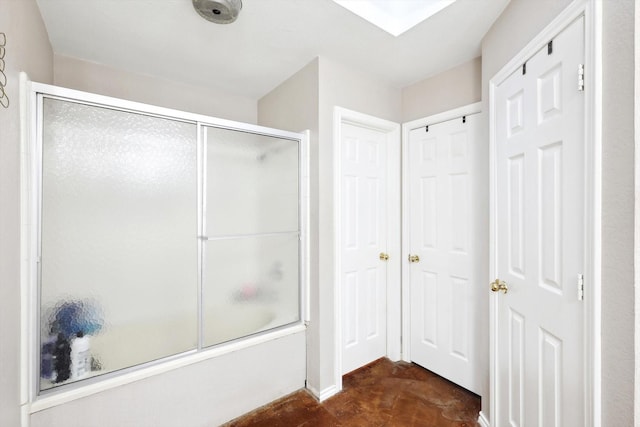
[
  {"x": 580, "y": 287},
  {"x": 581, "y": 77}
]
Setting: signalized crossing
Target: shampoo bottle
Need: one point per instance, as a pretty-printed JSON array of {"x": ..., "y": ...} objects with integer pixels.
[
  {"x": 61, "y": 359},
  {"x": 80, "y": 356}
]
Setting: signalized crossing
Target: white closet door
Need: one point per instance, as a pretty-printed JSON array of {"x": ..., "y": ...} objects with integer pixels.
[
  {"x": 443, "y": 291},
  {"x": 363, "y": 276},
  {"x": 540, "y": 214}
]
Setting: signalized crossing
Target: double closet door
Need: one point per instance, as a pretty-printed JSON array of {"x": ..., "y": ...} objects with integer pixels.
[
  {"x": 441, "y": 250},
  {"x": 439, "y": 261}
]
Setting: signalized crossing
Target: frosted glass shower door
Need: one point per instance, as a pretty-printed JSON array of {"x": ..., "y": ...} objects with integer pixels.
[
  {"x": 119, "y": 271},
  {"x": 251, "y": 223}
]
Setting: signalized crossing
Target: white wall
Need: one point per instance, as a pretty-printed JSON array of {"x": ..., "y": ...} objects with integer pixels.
[
  {"x": 27, "y": 49},
  {"x": 444, "y": 91},
  {"x": 97, "y": 78}
]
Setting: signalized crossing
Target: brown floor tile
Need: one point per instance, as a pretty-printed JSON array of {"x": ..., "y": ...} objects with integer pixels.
[{"x": 382, "y": 394}]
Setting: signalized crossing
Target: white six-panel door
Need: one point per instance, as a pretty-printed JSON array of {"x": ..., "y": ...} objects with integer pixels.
[
  {"x": 540, "y": 216},
  {"x": 442, "y": 286},
  {"x": 363, "y": 223}
]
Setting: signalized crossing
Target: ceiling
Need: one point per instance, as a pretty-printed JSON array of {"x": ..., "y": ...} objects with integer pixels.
[{"x": 270, "y": 41}]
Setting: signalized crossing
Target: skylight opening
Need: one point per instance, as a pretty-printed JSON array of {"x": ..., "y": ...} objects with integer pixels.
[{"x": 395, "y": 16}]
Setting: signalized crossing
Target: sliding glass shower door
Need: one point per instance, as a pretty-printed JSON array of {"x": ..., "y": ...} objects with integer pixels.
[
  {"x": 156, "y": 236},
  {"x": 251, "y": 230},
  {"x": 119, "y": 271}
]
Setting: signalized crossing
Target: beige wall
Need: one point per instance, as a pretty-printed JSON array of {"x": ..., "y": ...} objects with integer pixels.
[
  {"x": 293, "y": 105},
  {"x": 520, "y": 22},
  {"x": 348, "y": 88},
  {"x": 356, "y": 90},
  {"x": 306, "y": 100},
  {"x": 617, "y": 213},
  {"x": 637, "y": 212},
  {"x": 27, "y": 49},
  {"x": 450, "y": 89},
  {"x": 96, "y": 78}
]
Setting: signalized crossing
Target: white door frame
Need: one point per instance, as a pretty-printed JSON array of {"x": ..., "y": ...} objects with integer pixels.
[
  {"x": 343, "y": 116},
  {"x": 592, "y": 11},
  {"x": 466, "y": 110}
]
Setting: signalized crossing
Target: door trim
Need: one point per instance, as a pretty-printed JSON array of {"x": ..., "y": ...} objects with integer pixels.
[
  {"x": 344, "y": 116},
  {"x": 406, "y": 288},
  {"x": 592, "y": 11}
]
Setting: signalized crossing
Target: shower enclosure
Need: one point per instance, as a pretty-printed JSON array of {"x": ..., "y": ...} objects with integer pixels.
[{"x": 156, "y": 234}]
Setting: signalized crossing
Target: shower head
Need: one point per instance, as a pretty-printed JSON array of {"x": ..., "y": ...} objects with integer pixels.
[{"x": 218, "y": 11}]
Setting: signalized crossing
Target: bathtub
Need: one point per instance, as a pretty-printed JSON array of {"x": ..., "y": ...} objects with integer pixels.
[{"x": 119, "y": 347}]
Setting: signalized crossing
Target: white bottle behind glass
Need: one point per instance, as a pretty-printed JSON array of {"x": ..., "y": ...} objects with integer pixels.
[{"x": 80, "y": 356}]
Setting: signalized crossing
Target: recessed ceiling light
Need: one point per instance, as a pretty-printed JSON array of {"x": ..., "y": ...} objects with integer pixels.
[{"x": 395, "y": 16}]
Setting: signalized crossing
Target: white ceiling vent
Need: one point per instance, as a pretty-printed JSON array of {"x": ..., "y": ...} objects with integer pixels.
[{"x": 218, "y": 11}]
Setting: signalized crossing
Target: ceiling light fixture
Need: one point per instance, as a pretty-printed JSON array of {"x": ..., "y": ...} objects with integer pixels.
[
  {"x": 395, "y": 16},
  {"x": 218, "y": 11}
]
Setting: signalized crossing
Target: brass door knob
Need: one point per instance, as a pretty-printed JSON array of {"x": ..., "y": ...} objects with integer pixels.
[
  {"x": 498, "y": 285},
  {"x": 384, "y": 257},
  {"x": 414, "y": 258}
]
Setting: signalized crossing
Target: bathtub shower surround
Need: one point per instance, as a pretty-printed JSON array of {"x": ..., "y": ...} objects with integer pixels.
[{"x": 157, "y": 236}]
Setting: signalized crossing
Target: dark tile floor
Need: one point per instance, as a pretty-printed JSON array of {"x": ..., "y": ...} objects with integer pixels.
[{"x": 383, "y": 393}]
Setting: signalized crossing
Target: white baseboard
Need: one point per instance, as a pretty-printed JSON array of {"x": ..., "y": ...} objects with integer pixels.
[
  {"x": 483, "y": 421},
  {"x": 328, "y": 392},
  {"x": 323, "y": 394}
]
